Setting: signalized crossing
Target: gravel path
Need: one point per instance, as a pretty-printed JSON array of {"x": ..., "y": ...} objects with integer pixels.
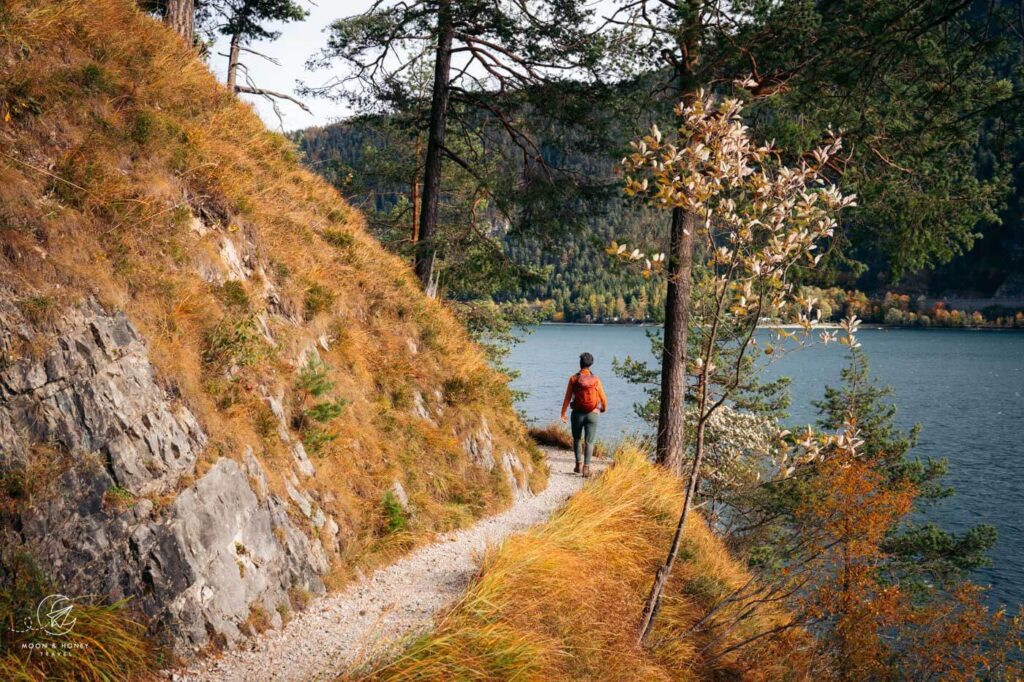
[{"x": 349, "y": 626}]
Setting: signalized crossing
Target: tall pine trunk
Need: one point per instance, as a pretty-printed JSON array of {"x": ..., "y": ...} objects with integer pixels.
[
  {"x": 180, "y": 15},
  {"x": 426, "y": 247},
  {"x": 414, "y": 197},
  {"x": 671, "y": 444},
  {"x": 670, "y": 449},
  {"x": 233, "y": 53}
]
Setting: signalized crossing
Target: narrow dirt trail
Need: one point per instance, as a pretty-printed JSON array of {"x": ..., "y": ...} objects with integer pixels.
[{"x": 366, "y": 617}]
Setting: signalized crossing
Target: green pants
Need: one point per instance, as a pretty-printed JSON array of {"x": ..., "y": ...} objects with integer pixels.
[{"x": 583, "y": 423}]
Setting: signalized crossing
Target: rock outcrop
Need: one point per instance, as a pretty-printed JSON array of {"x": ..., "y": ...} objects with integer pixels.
[
  {"x": 99, "y": 444},
  {"x": 479, "y": 445},
  {"x": 93, "y": 391}
]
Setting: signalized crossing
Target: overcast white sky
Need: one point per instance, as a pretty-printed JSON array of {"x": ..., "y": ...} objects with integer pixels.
[{"x": 297, "y": 42}]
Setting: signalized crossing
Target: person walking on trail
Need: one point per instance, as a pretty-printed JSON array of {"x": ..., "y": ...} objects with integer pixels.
[{"x": 586, "y": 396}]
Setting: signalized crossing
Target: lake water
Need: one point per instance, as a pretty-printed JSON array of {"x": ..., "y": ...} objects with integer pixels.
[{"x": 965, "y": 387}]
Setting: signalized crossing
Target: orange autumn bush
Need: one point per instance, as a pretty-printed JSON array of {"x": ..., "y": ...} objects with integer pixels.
[{"x": 874, "y": 620}]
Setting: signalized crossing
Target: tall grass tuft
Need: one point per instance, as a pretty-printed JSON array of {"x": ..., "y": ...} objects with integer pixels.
[
  {"x": 562, "y": 601},
  {"x": 556, "y": 435},
  {"x": 104, "y": 643}
]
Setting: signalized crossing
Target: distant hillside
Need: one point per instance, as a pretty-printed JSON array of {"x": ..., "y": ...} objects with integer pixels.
[
  {"x": 218, "y": 394},
  {"x": 581, "y": 284}
]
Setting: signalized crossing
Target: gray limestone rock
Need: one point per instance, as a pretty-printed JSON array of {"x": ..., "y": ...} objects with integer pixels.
[
  {"x": 94, "y": 391},
  {"x": 479, "y": 445},
  {"x": 196, "y": 566},
  {"x": 226, "y": 537}
]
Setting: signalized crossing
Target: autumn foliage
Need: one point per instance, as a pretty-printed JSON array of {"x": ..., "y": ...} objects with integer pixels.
[{"x": 870, "y": 623}]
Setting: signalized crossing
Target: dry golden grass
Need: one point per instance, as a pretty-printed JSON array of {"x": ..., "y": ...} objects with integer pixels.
[
  {"x": 562, "y": 601},
  {"x": 557, "y": 435},
  {"x": 106, "y": 642},
  {"x": 115, "y": 139}
]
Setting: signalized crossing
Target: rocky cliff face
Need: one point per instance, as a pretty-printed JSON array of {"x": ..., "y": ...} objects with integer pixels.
[{"x": 110, "y": 512}]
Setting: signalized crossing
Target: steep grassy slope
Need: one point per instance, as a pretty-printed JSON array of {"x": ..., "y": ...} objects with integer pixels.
[
  {"x": 562, "y": 601},
  {"x": 138, "y": 198}
]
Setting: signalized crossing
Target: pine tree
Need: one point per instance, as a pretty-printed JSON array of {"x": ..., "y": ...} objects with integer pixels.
[
  {"x": 244, "y": 21},
  {"x": 510, "y": 58},
  {"x": 921, "y": 552},
  {"x": 903, "y": 80}
]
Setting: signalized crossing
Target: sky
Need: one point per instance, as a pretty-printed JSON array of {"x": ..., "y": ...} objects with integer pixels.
[{"x": 298, "y": 41}]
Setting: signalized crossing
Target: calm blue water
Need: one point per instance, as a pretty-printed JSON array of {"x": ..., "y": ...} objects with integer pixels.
[{"x": 966, "y": 388}]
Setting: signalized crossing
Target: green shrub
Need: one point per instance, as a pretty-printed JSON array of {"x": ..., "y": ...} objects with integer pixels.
[
  {"x": 454, "y": 390},
  {"x": 38, "y": 309},
  {"x": 233, "y": 294},
  {"x": 313, "y": 378},
  {"x": 235, "y": 341},
  {"x": 326, "y": 411},
  {"x": 318, "y": 299},
  {"x": 314, "y": 381},
  {"x": 281, "y": 270},
  {"x": 93, "y": 77},
  {"x": 142, "y": 127},
  {"x": 118, "y": 497},
  {"x": 20, "y": 100},
  {"x": 315, "y": 438},
  {"x": 394, "y": 516},
  {"x": 339, "y": 239}
]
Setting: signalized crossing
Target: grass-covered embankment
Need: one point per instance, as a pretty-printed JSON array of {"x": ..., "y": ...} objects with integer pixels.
[
  {"x": 562, "y": 601},
  {"x": 133, "y": 182}
]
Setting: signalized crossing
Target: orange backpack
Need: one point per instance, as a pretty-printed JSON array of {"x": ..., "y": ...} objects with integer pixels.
[{"x": 585, "y": 395}]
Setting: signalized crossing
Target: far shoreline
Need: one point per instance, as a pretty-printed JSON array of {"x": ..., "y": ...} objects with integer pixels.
[{"x": 821, "y": 326}]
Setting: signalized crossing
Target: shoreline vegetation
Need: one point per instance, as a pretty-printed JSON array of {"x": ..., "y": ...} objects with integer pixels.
[
  {"x": 890, "y": 311},
  {"x": 527, "y": 615},
  {"x": 822, "y": 325}
]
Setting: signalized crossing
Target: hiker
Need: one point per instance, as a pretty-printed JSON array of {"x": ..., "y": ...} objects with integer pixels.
[{"x": 588, "y": 399}]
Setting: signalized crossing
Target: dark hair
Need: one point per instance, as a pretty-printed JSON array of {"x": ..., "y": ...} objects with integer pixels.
[{"x": 586, "y": 360}]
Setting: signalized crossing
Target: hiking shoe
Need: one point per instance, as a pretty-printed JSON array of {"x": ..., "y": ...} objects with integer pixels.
[
  {"x": 576, "y": 470},
  {"x": 586, "y": 471}
]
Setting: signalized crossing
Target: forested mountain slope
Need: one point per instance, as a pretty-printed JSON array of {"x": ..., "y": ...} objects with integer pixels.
[
  {"x": 571, "y": 272},
  {"x": 581, "y": 284}
]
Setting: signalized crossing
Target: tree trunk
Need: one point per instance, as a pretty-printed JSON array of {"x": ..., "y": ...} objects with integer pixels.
[
  {"x": 426, "y": 247},
  {"x": 415, "y": 199},
  {"x": 180, "y": 15},
  {"x": 671, "y": 445},
  {"x": 232, "y": 80},
  {"x": 415, "y": 193}
]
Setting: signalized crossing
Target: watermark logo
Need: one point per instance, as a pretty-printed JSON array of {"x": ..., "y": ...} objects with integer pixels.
[{"x": 53, "y": 616}]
